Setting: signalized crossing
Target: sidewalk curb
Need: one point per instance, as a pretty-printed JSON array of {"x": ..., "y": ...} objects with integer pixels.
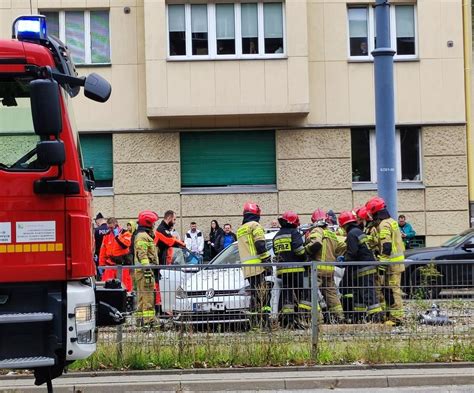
[
  {"x": 240, "y": 370},
  {"x": 299, "y": 381}
]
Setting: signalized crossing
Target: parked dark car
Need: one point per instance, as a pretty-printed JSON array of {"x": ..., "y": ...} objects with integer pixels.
[{"x": 455, "y": 274}]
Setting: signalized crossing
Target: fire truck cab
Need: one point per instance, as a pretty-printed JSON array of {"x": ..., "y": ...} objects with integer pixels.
[{"x": 49, "y": 305}]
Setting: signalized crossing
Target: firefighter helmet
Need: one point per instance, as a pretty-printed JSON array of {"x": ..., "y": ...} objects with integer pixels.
[
  {"x": 347, "y": 217},
  {"x": 291, "y": 218},
  {"x": 147, "y": 218},
  {"x": 252, "y": 208},
  {"x": 363, "y": 214},
  {"x": 374, "y": 205},
  {"x": 319, "y": 217}
]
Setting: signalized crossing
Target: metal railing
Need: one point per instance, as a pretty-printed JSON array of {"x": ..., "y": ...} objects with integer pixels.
[{"x": 309, "y": 304}]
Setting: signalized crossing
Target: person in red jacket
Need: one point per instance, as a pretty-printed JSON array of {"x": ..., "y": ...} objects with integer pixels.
[
  {"x": 165, "y": 242},
  {"x": 114, "y": 251}
]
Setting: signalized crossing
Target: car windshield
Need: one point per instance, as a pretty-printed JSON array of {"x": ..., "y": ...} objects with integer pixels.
[
  {"x": 17, "y": 137},
  {"x": 458, "y": 239},
  {"x": 230, "y": 255},
  {"x": 178, "y": 256}
]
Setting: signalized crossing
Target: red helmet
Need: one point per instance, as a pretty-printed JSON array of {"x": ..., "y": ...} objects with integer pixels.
[
  {"x": 319, "y": 216},
  {"x": 253, "y": 208},
  {"x": 347, "y": 217},
  {"x": 374, "y": 205},
  {"x": 363, "y": 214},
  {"x": 147, "y": 218},
  {"x": 291, "y": 218}
]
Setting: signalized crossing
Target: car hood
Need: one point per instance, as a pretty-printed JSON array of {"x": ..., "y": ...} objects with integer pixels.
[
  {"x": 428, "y": 253},
  {"x": 217, "y": 279}
]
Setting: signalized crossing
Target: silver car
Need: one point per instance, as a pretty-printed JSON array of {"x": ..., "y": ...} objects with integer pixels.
[
  {"x": 213, "y": 293},
  {"x": 217, "y": 292}
]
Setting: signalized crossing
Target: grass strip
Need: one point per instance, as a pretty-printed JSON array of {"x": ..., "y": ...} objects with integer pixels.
[{"x": 225, "y": 353}]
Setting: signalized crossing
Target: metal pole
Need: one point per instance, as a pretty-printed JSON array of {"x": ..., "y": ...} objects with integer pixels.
[
  {"x": 119, "y": 327},
  {"x": 467, "y": 31},
  {"x": 314, "y": 311},
  {"x": 385, "y": 109}
]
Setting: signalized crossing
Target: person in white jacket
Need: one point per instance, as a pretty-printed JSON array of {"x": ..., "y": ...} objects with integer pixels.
[{"x": 195, "y": 240}]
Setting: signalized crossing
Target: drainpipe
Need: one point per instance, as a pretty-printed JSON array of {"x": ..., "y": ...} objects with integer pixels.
[
  {"x": 466, "y": 21},
  {"x": 385, "y": 109}
]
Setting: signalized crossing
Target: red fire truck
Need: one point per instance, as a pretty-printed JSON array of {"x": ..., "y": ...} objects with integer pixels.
[{"x": 49, "y": 305}]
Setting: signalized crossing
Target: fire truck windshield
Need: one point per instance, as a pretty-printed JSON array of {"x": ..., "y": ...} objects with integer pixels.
[{"x": 17, "y": 138}]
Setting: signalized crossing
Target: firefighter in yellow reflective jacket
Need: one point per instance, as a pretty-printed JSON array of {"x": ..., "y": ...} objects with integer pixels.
[
  {"x": 253, "y": 251},
  {"x": 321, "y": 245},
  {"x": 366, "y": 304},
  {"x": 392, "y": 250},
  {"x": 288, "y": 247},
  {"x": 145, "y": 253},
  {"x": 370, "y": 229}
]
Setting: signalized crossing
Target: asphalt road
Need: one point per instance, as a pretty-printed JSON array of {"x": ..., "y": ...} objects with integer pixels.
[{"x": 417, "y": 379}]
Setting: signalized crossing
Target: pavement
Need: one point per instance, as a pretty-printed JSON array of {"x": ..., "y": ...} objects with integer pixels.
[{"x": 318, "y": 379}]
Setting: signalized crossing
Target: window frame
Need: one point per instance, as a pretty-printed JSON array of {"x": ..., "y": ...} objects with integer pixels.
[
  {"x": 87, "y": 33},
  {"x": 212, "y": 36},
  {"x": 371, "y": 32},
  {"x": 398, "y": 152}
]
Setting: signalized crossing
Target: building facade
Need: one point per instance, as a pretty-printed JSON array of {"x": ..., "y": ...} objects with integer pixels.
[{"x": 217, "y": 103}]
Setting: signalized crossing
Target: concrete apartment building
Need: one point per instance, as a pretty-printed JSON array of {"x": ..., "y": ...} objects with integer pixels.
[{"x": 217, "y": 103}]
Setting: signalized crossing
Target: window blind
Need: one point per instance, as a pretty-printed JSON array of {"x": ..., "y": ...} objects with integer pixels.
[{"x": 224, "y": 158}]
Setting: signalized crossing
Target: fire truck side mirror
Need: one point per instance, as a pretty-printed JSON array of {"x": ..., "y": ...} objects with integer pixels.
[
  {"x": 51, "y": 152},
  {"x": 45, "y": 107},
  {"x": 97, "y": 88}
]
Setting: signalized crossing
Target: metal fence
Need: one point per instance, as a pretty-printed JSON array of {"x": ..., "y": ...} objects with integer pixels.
[{"x": 304, "y": 305}]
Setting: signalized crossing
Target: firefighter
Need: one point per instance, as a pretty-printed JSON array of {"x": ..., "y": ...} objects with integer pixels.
[
  {"x": 288, "y": 246},
  {"x": 370, "y": 230},
  {"x": 145, "y": 253},
  {"x": 321, "y": 245},
  {"x": 366, "y": 303},
  {"x": 253, "y": 251},
  {"x": 115, "y": 250},
  {"x": 391, "y": 248}
]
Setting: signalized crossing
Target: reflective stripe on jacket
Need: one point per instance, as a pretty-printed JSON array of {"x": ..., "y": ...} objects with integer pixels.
[
  {"x": 247, "y": 235},
  {"x": 372, "y": 239},
  {"x": 389, "y": 232},
  {"x": 288, "y": 246},
  {"x": 145, "y": 249},
  {"x": 329, "y": 244}
]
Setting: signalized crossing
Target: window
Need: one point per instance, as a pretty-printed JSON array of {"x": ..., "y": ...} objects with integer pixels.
[
  {"x": 199, "y": 29},
  {"x": 86, "y": 33},
  {"x": 226, "y": 30},
  {"x": 97, "y": 153},
  {"x": 17, "y": 137},
  {"x": 364, "y": 158},
  {"x": 226, "y": 158},
  {"x": 249, "y": 28},
  {"x": 362, "y": 34}
]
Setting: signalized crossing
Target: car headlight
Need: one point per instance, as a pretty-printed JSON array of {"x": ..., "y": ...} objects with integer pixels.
[
  {"x": 181, "y": 293},
  {"x": 84, "y": 314}
]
